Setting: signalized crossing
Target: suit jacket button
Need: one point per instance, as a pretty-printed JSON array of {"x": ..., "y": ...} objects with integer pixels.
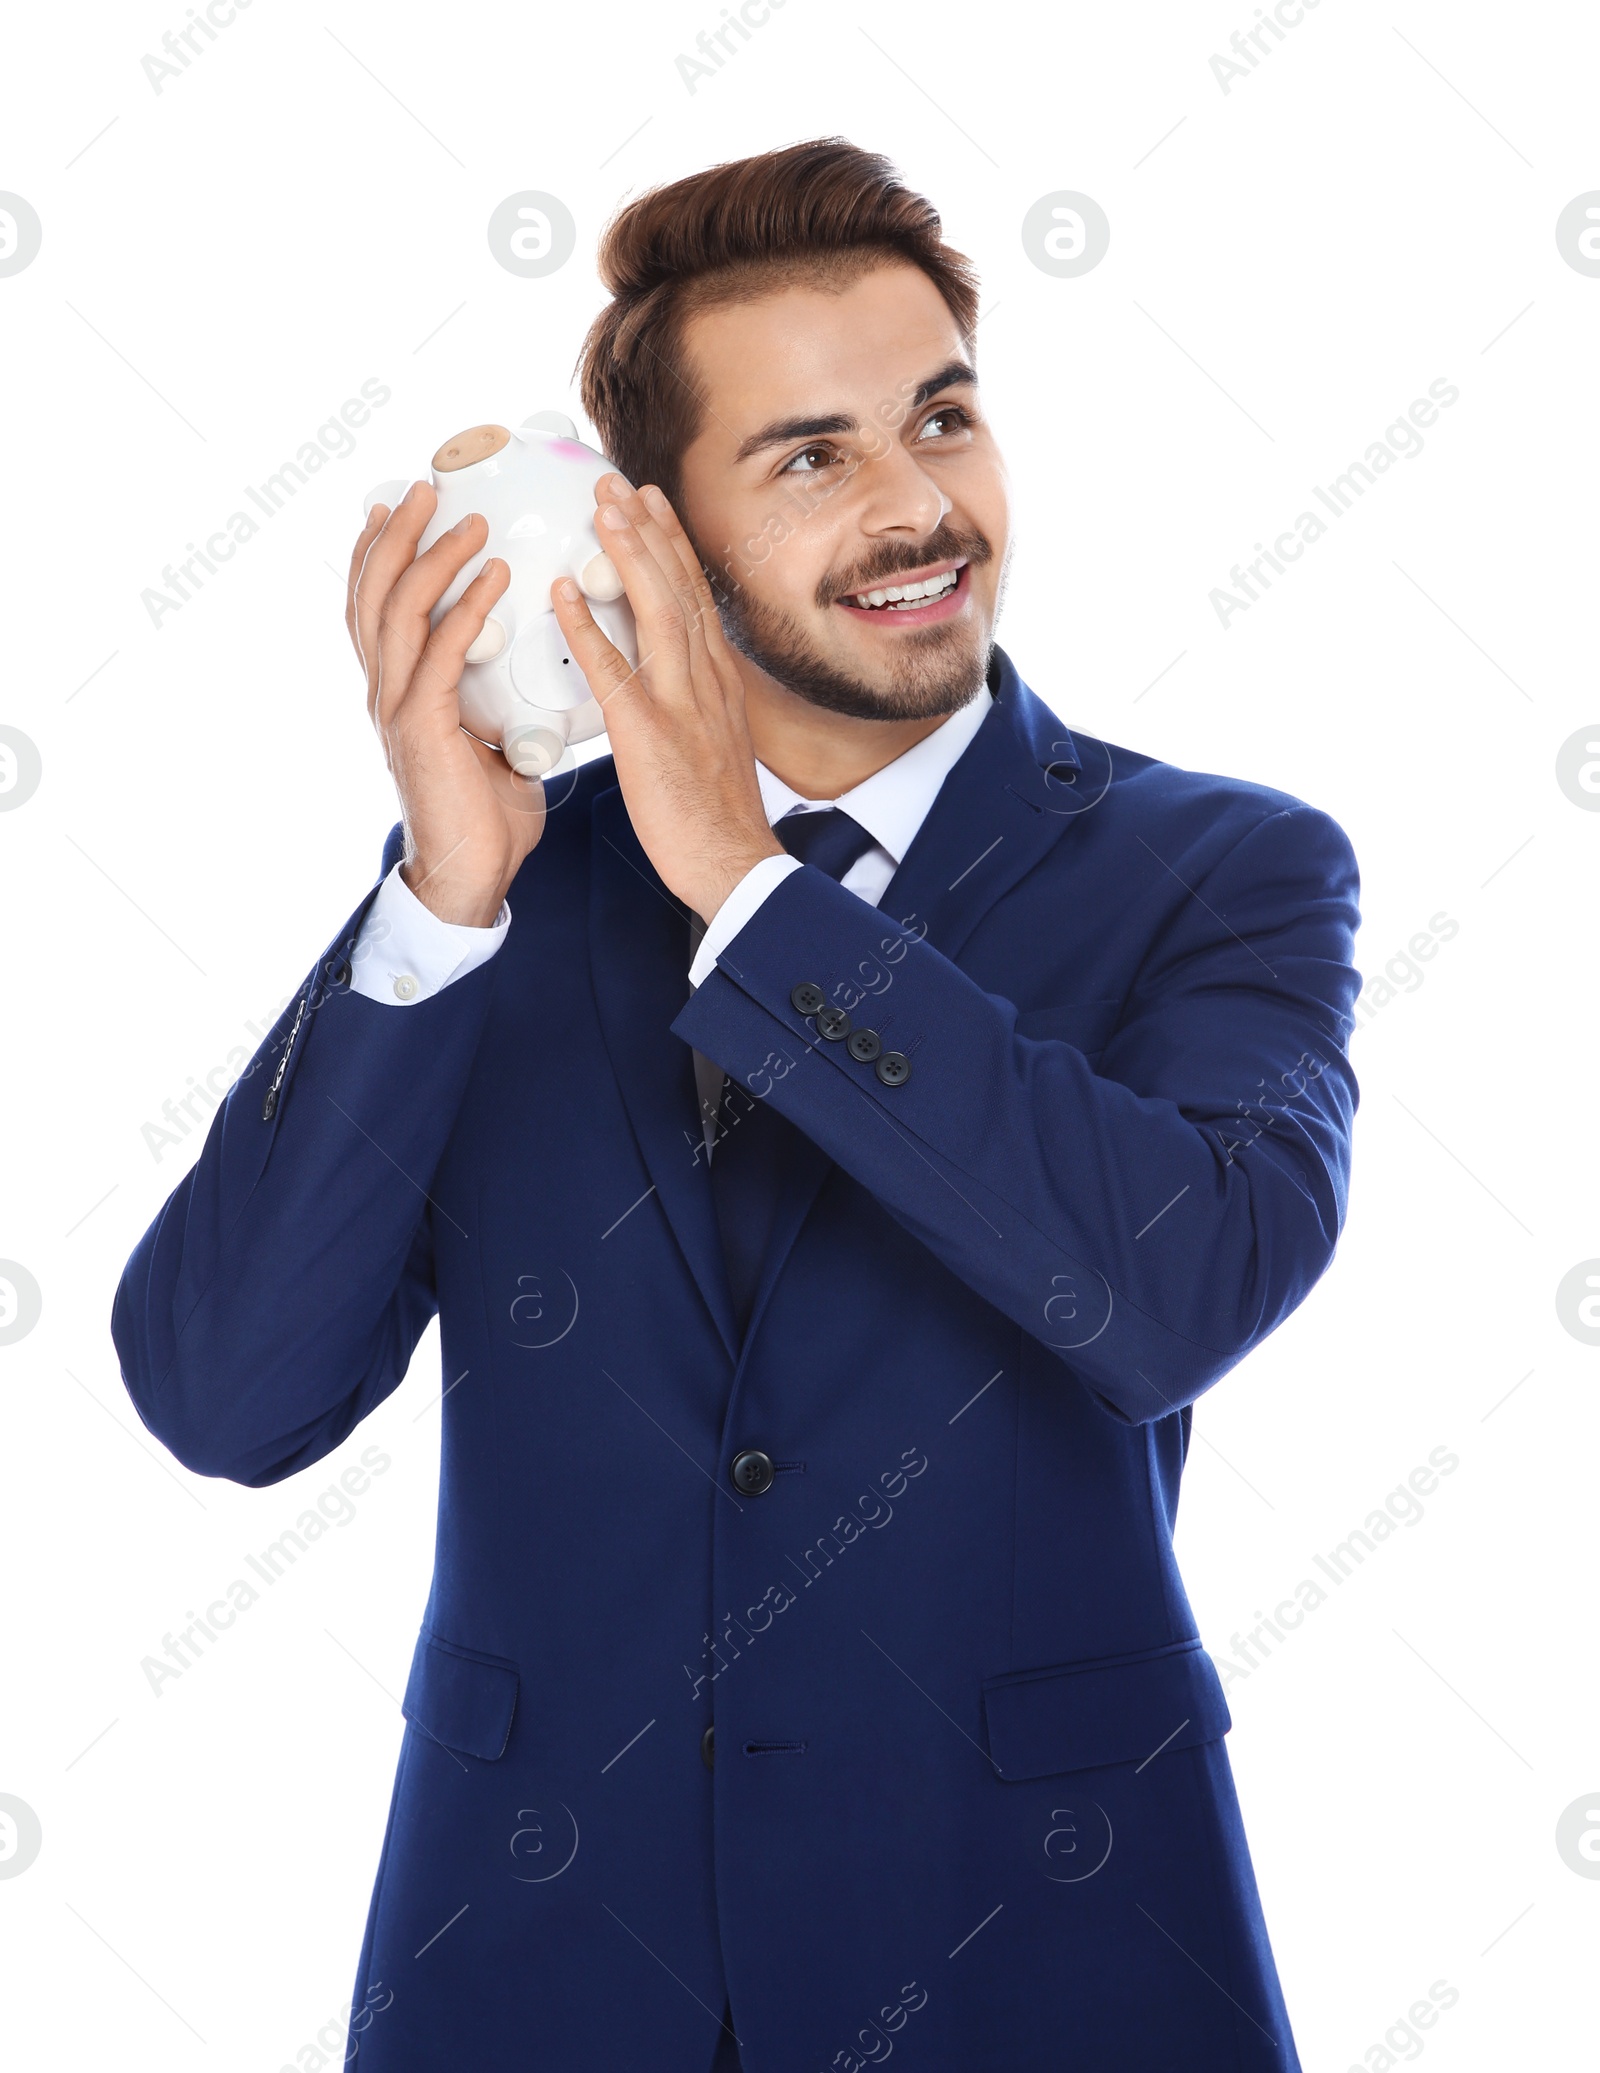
[
  {"x": 708, "y": 1748},
  {"x": 752, "y": 1472},
  {"x": 832, "y": 1023},
  {"x": 864, "y": 1045},
  {"x": 893, "y": 1068},
  {"x": 806, "y": 998}
]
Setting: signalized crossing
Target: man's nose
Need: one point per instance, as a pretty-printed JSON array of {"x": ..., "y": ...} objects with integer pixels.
[{"x": 901, "y": 496}]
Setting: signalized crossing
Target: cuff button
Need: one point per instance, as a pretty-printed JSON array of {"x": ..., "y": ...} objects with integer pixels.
[
  {"x": 864, "y": 1045},
  {"x": 832, "y": 1023},
  {"x": 893, "y": 1068},
  {"x": 806, "y": 999},
  {"x": 405, "y": 987}
]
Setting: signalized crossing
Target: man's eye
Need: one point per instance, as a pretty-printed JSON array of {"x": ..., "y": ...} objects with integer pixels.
[
  {"x": 957, "y": 417},
  {"x": 816, "y": 457}
]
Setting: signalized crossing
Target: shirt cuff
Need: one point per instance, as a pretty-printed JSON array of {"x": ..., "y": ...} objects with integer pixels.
[
  {"x": 736, "y": 910},
  {"x": 405, "y": 953}
]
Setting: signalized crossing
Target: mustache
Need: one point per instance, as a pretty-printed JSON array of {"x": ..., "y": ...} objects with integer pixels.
[{"x": 946, "y": 543}]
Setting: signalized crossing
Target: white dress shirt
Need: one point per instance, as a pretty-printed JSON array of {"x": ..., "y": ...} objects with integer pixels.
[{"x": 404, "y": 953}]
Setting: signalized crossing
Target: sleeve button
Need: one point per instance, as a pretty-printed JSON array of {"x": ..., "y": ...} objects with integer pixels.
[
  {"x": 832, "y": 1023},
  {"x": 864, "y": 1045},
  {"x": 807, "y": 998},
  {"x": 893, "y": 1068}
]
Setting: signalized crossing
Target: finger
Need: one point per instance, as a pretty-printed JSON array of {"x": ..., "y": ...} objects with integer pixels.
[
  {"x": 370, "y": 532},
  {"x": 661, "y": 605},
  {"x": 396, "y": 581},
  {"x": 681, "y": 568},
  {"x": 421, "y": 666},
  {"x": 387, "y": 557},
  {"x": 711, "y": 661},
  {"x": 407, "y": 610},
  {"x": 606, "y": 669},
  {"x": 671, "y": 526},
  {"x": 641, "y": 508}
]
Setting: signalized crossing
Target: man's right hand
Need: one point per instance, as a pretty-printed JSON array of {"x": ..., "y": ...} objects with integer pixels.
[{"x": 469, "y": 819}]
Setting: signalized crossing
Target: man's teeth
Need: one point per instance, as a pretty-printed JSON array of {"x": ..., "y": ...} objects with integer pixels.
[{"x": 908, "y": 593}]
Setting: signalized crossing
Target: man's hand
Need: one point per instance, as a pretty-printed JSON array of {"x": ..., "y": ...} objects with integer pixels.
[
  {"x": 469, "y": 819},
  {"x": 677, "y": 723}
]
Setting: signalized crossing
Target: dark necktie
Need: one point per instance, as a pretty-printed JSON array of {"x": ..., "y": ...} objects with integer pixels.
[{"x": 754, "y": 1142}]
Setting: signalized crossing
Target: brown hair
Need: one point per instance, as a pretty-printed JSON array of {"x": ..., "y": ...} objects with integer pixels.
[{"x": 823, "y": 212}]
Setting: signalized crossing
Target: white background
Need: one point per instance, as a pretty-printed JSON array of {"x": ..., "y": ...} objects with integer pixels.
[{"x": 1292, "y": 262}]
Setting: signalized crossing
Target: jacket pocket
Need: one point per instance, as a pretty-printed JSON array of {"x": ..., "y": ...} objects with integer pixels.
[
  {"x": 1113, "y": 1710},
  {"x": 461, "y": 1697}
]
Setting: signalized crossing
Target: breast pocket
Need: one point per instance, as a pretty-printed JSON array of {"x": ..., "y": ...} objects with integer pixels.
[{"x": 1087, "y": 1025}]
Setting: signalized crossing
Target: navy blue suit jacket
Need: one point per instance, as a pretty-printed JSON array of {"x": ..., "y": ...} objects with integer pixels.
[{"x": 969, "y": 1792}]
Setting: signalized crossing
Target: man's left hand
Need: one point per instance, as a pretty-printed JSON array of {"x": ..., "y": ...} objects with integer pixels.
[{"x": 677, "y": 724}]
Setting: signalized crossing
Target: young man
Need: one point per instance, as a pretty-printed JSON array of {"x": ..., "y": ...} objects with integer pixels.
[{"x": 806, "y": 1672}]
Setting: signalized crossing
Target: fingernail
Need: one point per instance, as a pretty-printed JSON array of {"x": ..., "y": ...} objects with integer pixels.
[
  {"x": 463, "y": 525},
  {"x": 567, "y": 590},
  {"x": 614, "y": 516},
  {"x": 616, "y": 482},
  {"x": 655, "y": 500}
]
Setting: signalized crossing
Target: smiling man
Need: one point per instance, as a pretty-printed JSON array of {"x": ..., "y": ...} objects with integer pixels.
[{"x": 887, "y": 1112}]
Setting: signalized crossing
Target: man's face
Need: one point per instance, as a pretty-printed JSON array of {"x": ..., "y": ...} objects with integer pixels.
[{"x": 842, "y": 454}]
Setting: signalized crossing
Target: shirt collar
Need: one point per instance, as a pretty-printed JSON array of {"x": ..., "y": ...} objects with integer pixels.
[{"x": 893, "y": 803}]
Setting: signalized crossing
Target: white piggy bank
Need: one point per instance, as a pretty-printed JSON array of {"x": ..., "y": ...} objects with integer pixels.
[{"x": 520, "y": 689}]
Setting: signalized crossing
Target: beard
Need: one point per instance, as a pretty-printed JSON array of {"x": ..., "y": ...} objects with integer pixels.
[{"x": 931, "y": 671}]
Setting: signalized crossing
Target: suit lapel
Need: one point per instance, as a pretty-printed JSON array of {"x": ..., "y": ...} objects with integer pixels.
[
  {"x": 1004, "y": 805},
  {"x": 639, "y": 958},
  {"x": 1017, "y": 786}
]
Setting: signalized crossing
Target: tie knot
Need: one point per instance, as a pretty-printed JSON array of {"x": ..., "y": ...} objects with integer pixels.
[{"x": 828, "y": 838}]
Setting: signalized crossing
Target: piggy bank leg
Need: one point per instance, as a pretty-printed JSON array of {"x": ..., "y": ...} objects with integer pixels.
[
  {"x": 488, "y": 643},
  {"x": 532, "y": 746}
]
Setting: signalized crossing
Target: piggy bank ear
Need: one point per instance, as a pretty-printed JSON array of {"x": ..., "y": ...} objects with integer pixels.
[
  {"x": 388, "y": 493},
  {"x": 550, "y": 421}
]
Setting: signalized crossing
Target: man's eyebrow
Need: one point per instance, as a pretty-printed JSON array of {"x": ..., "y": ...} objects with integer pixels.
[{"x": 954, "y": 374}]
